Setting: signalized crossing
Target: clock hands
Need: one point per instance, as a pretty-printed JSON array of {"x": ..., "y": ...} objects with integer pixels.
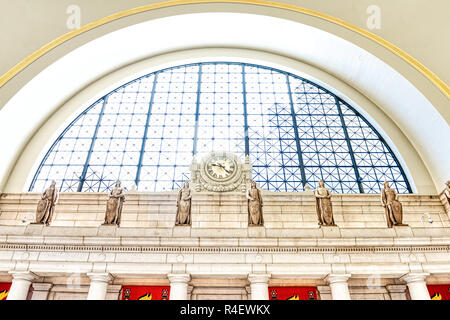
[{"x": 220, "y": 166}]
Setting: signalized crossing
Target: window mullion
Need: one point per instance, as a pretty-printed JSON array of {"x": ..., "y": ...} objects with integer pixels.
[
  {"x": 297, "y": 137},
  {"x": 91, "y": 147},
  {"x": 244, "y": 101},
  {"x": 197, "y": 110},
  {"x": 349, "y": 145},
  {"x": 147, "y": 124}
]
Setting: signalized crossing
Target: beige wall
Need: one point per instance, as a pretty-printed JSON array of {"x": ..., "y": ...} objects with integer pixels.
[
  {"x": 287, "y": 214},
  {"x": 419, "y": 27},
  {"x": 219, "y": 250}
]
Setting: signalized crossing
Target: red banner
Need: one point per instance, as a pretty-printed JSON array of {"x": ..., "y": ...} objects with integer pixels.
[
  {"x": 439, "y": 292},
  {"x": 145, "y": 293},
  {"x": 4, "y": 290},
  {"x": 292, "y": 293}
]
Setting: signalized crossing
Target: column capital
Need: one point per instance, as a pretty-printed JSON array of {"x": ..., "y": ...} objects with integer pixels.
[
  {"x": 100, "y": 277},
  {"x": 414, "y": 277},
  {"x": 179, "y": 277},
  {"x": 23, "y": 275},
  {"x": 337, "y": 278},
  {"x": 259, "y": 277}
]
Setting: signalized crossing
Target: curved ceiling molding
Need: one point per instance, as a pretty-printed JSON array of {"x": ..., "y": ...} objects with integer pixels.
[{"x": 405, "y": 56}]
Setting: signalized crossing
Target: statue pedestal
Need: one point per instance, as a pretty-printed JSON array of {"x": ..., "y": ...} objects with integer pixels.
[
  {"x": 181, "y": 230},
  {"x": 403, "y": 230},
  {"x": 34, "y": 229},
  {"x": 331, "y": 231},
  {"x": 107, "y": 230},
  {"x": 256, "y": 231}
]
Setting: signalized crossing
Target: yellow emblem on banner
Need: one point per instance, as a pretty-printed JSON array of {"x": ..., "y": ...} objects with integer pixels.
[
  {"x": 436, "y": 296},
  {"x": 3, "y": 294},
  {"x": 146, "y": 296}
]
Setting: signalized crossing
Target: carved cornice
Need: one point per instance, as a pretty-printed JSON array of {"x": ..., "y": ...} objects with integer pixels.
[{"x": 215, "y": 250}]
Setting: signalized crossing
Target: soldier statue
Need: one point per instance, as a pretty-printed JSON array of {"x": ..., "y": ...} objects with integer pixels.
[
  {"x": 255, "y": 204},
  {"x": 447, "y": 191},
  {"x": 184, "y": 200},
  {"x": 46, "y": 206},
  {"x": 114, "y": 205},
  {"x": 324, "y": 207},
  {"x": 392, "y": 207}
]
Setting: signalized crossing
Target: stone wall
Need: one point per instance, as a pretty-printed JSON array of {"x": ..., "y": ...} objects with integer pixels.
[
  {"x": 226, "y": 211},
  {"x": 219, "y": 250}
]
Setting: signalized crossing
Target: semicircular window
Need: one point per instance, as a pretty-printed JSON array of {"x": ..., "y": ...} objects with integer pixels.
[{"x": 146, "y": 132}]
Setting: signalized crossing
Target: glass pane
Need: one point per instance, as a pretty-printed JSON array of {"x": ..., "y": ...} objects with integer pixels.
[{"x": 147, "y": 131}]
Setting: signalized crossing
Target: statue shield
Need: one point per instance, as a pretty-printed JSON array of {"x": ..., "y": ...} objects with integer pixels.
[
  {"x": 41, "y": 210},
  {"x": 397, "y": 211}
]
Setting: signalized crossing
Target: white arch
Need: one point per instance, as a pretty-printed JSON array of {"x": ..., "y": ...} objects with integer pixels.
[{"x": 378, "y": 81}]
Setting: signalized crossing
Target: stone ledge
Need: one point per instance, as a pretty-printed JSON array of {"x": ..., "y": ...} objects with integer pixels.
[
  {"x": 399, "y": 234},
  {"x": 194, "y": 245}
]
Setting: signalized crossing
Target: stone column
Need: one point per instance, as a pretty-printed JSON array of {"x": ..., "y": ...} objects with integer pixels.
[
  {"x": 41, "y": 290},
  {"x": 397, "y": 291},
  {"x": 259, "y": 286},
  {"x": 324, "y": 292},
  {"x": 99, "y": 285},
  {"x": 189, "y": 292},
  {"x": 20, "y": 285},
  {"x": 339, "y": 286},
  {"x": 179, "y": 285},
  {"x": 417, "y": 285}
]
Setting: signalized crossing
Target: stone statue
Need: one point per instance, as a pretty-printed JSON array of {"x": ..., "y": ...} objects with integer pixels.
[
  {"x": 184, "y": 200},
  {"x": 46, "y": 206},
  {"x": 392, "y": 207},
  {"x": 255, "y": 204},
  {"x": 114, "y": 205},
  {"x": 323, "y": 205},
  {"x": 447, "y": 191}
]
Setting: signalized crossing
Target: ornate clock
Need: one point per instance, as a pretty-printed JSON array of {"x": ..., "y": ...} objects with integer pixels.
[
  {"x": 220, "y": 172},
  {"x": 220, "y": 167}
]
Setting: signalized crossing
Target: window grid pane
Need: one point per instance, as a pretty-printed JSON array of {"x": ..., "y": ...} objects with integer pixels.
[{"x": 146, "y": 132}]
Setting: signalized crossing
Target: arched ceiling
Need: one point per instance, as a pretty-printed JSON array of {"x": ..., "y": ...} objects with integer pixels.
[{"x": 391, "y": 91}]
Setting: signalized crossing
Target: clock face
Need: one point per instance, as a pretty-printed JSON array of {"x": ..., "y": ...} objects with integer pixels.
[{"x": 220, "y": 167}]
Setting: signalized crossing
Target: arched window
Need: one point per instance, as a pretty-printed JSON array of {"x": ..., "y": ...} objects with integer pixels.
[{"x": 147, "y": 131}]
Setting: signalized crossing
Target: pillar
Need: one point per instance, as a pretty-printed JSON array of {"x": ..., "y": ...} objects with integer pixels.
[
  {"x": 324, "y": 292},
  {"x": 20, "y": 285},
  {"x": 41, "y": 290},
  {"x": 259, "y": 286},
  {"x": 179, "y": 286},
  {"x": 99, "y": 285},
  {"x": 417, "y": 285},
  {"x": 339, "y": 286},
  {"x": 397, "y": 291}
]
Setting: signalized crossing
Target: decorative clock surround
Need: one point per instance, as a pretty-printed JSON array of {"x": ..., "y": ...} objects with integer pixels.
[{"x": 220, "y": 171}]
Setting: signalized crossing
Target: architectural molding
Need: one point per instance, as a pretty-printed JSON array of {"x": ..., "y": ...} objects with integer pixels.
[
  {"x": 415, "y": 277},
  {"x": 23, "y": 275},
  {"x": 394, "y": 49},
  {"x": 199, "y": 249}
]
